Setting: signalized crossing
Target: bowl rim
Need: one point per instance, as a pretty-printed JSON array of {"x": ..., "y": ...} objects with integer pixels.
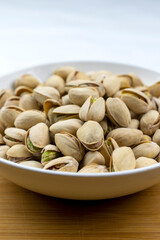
[{"x": 72, "y": 174}]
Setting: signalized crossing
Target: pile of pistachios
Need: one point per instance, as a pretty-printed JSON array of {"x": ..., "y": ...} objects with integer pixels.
[{"x": 90, "y": 122}]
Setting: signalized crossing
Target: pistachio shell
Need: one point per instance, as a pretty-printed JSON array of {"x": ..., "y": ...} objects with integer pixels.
[
  {"x": 118, "y": 112},
  {"x": 42, "y": 93},
  {"x": 69, "y": 145},
  {"x": 111, "y": 84},
  {"x": 12, "y": 101},
  {"x": 91, "y": 135},
  {"x": 31, "y": 163},
  {"x": 146, "y": 149},
  {"x": 92, "y": 109},
  {"x": 150, "y": 122},
  {"x": 29, "y": 118},
  {"x": 22, "y": 90},
  {"x": 155, "y": 89},
  {"x": 1, "y": 140},
  {"x": 50, "y": 103},
  {"x": 125, "y": 81},
  {"x": 145, "y": 138},
  {"x": 93, "y": 168},
  {"x": 28, "y": 102},
  {"x": 56, "y": 82},
  {"x": 65, "y": 112},
  {"x": 134, "y": 123},
  {"x": 2, "y": 127},
  {"x": 75, "y": 75},
  {"x": 49, "y": 152},
  {"x": 104, "y": 125},
  {"x": 8, "y": 114},
  {"x": 145, "y": 162},
  {"x": 4, "y": 95},
  {"x": 95, "y": 75},
  {"x": 156, "y": 137},
  {"x": 63, "y": 164},
  {"x": 65, "y": 100},
  {"x": 126, "y": 136},
  {"x": 14, "y": 136},
  {"x": 3, "y": 151},
  {"x": 27, "y": 80},
  {"x": 135, "y": 80},
  {"x": 93, "y": 157},
  {"x": 18, "y": 153},
  {"x": 122, "y": 159},
  {"x": 64, "y": 71}
]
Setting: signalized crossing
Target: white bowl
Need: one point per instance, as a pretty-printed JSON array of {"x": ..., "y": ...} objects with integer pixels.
[{"x": 73, "y": 185}]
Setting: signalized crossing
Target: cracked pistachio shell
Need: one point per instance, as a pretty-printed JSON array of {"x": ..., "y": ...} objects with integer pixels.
[
  {"x": 63, "y": 164},
  {"x": 134, "y": 123},
  {"x": 18, "y": 153},
  {"x": 56, "y": 82},
  {"x": 93, "y": 157},
  {"x": 91, "y": 135},
  {"x": 8, "y": 114},
  {"x": 146, "y": 149},
  {"x": 28, "y": 102},
  {"x": 3, "y": 151},
  {"x": 50, "y": 103},
  {"x": 2, "y": 127},
  {"x": 155, "y": 89},
  {"x": 156, "y": 104},
  {"x": 135, "y": 100},
  {"x": 14, "y": 136},
  {"x": 69, "y": 125},
  {"x": 12, "y": 101},
  {"x": 122, "y": 159},
  {"x": 65, "y": 112},
  {"x": 93, "y": 168},
  {"x": 31, "y": 163},
  {"x": 150, "y": 122},
  {"x": 145, "y": 162},
  {"x": 37, "y": 138},
  {"x": 118, "y": 112},
  {"x": 1, "y": 140},
  {"x": 93, "y": 109},
  {"x": 69, "y": 145},
  {"x": 156, "y": 137},
  {"x": 95, "y": 75},
  {"x": 111, "y": 84},
  {"x": 64, "y": 71},
  {"x": 80, "y": 94},
  {"x": 42, "y": 93},
  {"x": 49, "y": 152},
  {"x": 22, "y": 90},
  {"x": 144, "y": 90},
  {"x": 65, "y": 100},
  {"x": 125, "y": 81},
  {"x": 4, "y": 95},
  {"x": 104, "y": 125},
  {"x": 145, "y": 138},
  {"x": 76, "y": 75},
  {"x": 27, "y": 80},
  {"x": 126, "y": 136},
  {"x": 135, "y": 80},
  {"x": 29, "y": 118}
]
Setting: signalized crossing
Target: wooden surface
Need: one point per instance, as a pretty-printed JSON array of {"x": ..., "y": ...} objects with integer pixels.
[{"x": 27, "y": 215}]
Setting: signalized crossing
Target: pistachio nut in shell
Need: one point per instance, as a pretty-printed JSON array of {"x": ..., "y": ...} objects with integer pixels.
[
  {"x": 145, "y": 162},
  {"x": 93, "y": 168},
  {"x": 2, "y": 127},
  {"x": 56, "y": 82},
  {"x": 118, "y": 112},
  {"x": 29, "y": 118},
  {"x": 18, "y": 153},
  {"x": 126, "y": 136},
  {"x": 28, "y": 102},
  {"x": 31, "y": 163},
  {"x": 3, "y": 151},
  {"x": 111, "y": 84},
  {"x": 93, "y": 157},
  {"x": 64, "y": 71},
  {"x": 95, "y": 75},
  {"x": 65, "y": 112},
  {"x": 22, "y": 90},
  {"x": 135, "y": 80},
  {"x": 4, "y": 95},
  {"x": 14, "y": 136},
  {"x": 49, "y": 152},
  {"x": 8, "y": 114},
  {"x": 156, "y": 137},
  {"x": 134, "y": 123},
  {"x": 63, "y": 164},
  {"x": 37, "y": 138},
  {"x": 49, "y": 105},
  {"x": 146, "y": 149},
  {"x": 69, "y": 125},
  {"x": 135, "y": 100},
  {"x": 1, "y": 139},
  {"x": 93, "y": 109},
  {"x": 65, "y": 100},
  {"x": 41, "y": 93},
  {"x": 104, "y": 125},
  {"x": 122, "y": 159},
  {"x": 13, "y": 100},
  {"x": 91, "y": 135},
  {"x": 150, "y": 122},
  {"x": 75, "y": 75},
  {"x": 125, "y": 81},
  {"x": 155, "y": 89},
  {"x": 79, "y": 95},
  {"x": 27, "y": 80},
  {"x": 69, "y": 145}
]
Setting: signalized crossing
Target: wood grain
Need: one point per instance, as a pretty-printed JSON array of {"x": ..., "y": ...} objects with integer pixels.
[{"x": 27, "y": 215}]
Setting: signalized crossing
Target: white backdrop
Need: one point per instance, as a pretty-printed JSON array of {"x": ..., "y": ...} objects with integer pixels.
[{"x": 41, "y": 31}]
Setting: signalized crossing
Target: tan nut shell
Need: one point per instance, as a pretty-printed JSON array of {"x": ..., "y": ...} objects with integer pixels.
[
  {"x": 14, "y": 136},
  {"x": 56, "y": 82},
  {"x": 18, "y": 153},
  {"x": 1, "y": 139},
  {"x": 28, "y": 102},
  {"x": 64, "y": 71},
  {"x": 134, "y": 123},
  {"x": 111, "y": 84},
  {"x": 150, "y": 122},
  {"x": 91, "y": 135},
  {"x": 8, "y": 114},
  {"x": 31, "y": 163},
  {"x": 93, "y": 168},
  {"x": 63, "y": 164},
  {"x": 65, "y": 100},
  {"x": 155, "y": 89},
  {"x": 75, "y": 75},
  {"x": 22, "y": 90},
  {"x": 50, "y": 103},
  {"x": 93, "y": 157},
  {"x": 145, "y": 162},
  {"x": 29, "y": 118},
  {"x": 27, "y": 80},
  {"x": 156, "y": 137},
  {"x": 41, "y": 93},
  {"x": 4, "y": 95},
  {"x": 12, "y": 101},
  {"x": 148, "y": 149},
  {"x": 3, "y": 151}
]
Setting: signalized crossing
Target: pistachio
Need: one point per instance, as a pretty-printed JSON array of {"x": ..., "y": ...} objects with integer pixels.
[
  {"x": 22, "y": 90},
  {"x": 27, "y": 80},
  {"x": 135, "y": 100},
  {"x": 146, "y": 149},
  {"x": 29, "y": 118},
  {"x": 126, "y": 136},
  {"x": 14, "y": 136},
  {"x": 2, "y": 127},
  {"x": 18, "y": 153},
  {"x": 3, "y": 151},
  {"x": 75, "y": 75},
  {"x": 42, "y": 93},
  {"x": 118, "y": 112},
  {"x": 93, "y": 168},
  {"x": 12, "y": 101},
  {"x": 4, "y": 95},
  {"x": 125, "y": 81},
  {"x": 56, "y": 82},
  {"x": 69, "y": 145},
  {"x": 145, "y": 138},
  {"x": 31, "y": 163},
  {"x": 70, "y": 126},
  {"x": 64, "y": 71},
  {"x": 1, "y": 140},
  {"x": 134, "y": 123},
  {"x": 94, "y": 76},
  {"x": 104, "y": 125},
  {"x": 8, "y": 114},
  {"x": 145, "y": 162},
  {"x": 49, "y": 152},
  {"x": 111, "y": 84},
  {"x": 92, "y": 109},
  {"x": 150, "y": 122},
  {"x": 65, "y": 112},
  {"x": 91, "y": 135},
  {"x": 28, "y": 102},
  {"x": 93, "y": 157},
  {"x": 63, "y": 164},
  {"x": 48, "y": 106},
  {"x": 122, "y": 159},
  {"x": 156, "y": 137},
  {"x": 155, "y": 89},
  {"x": 65, "y": 100}
]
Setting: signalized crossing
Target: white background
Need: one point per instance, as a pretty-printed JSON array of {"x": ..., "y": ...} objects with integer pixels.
[{"x": 41, "y": 31}]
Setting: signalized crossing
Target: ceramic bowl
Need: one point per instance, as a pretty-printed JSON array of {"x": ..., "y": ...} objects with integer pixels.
[{"x": 73, "y": 185}]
